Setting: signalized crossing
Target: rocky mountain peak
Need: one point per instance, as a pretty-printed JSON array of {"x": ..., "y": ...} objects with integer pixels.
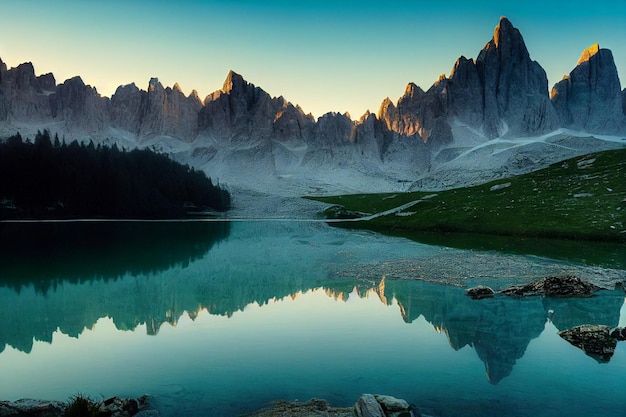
[
  {"x": 414, "y": 91},
  {"x": 194, "y": 96},
  {"x": 176, "y": 87},
  {"x": 47, "y": 82},
  {"x": 80, "y": 106},
  {"x": 154, "y": 84},
  {"x": 3, "y": 66},
  {"x": 365, "y": 116},
  {"x": 233, "y": 81},
  {"x": 505, "y": 32},
  {"x": 385, "y": 107},
  {"x": 460, "y": 63},
  {"x": 588, "y": 53},
  {"x": 515, "y": 88},
  {"x": 590, "y": 97}
]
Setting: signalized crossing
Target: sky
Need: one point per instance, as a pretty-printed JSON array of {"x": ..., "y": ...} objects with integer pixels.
[{"x": 341, "y": 56}]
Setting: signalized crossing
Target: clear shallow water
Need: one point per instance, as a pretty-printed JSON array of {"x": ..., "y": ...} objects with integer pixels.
[{"x": 219, "y": 319}]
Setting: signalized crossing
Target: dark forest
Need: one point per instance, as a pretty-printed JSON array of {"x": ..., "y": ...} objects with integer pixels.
[{"x": 47, "y": 178}]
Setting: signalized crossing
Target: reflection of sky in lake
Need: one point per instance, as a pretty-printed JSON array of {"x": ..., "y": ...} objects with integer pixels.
[{"x": 244, "y": 348}]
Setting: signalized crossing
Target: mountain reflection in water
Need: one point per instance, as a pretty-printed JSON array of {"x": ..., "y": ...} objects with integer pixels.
[
  {"x": 154, "y": 273},
  {"x": 44, "y": 254}
]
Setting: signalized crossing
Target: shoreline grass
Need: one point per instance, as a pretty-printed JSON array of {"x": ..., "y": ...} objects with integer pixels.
[{"x": 579, "y": 198}]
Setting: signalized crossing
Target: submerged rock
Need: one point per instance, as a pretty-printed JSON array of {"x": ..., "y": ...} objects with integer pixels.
[
  {"x": 554, "y": 286},
  {"x": 595, "y": 340},
  {"x": 480, "y": 292}
]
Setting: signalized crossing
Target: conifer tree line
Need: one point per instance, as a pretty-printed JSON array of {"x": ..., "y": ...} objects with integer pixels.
[{"x": 48, "y": 178}]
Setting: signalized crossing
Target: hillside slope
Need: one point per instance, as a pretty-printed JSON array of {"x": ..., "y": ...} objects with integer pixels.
[{"x": 580, "y": 198}]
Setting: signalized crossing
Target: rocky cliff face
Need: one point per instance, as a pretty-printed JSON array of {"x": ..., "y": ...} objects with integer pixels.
[
  {"x": 514, "y": 88},
  {"x": 157, "y": 112},
  {"x": 128, "y": 108},
  {"x": 22, "y": 94},
  {"x": 79, "y": 106},
  {"x": 590, "y": 97},
  {"x": 465, "y": 93},
  {"x": 167, "y": 112},
  {"x": 238, "y": 113}
]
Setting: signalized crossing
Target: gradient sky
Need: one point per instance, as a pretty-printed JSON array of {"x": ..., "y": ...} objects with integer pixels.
[{"x": 324, "y": 55}]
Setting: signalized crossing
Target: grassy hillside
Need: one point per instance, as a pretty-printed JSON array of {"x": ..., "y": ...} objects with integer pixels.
[{"x": 581, "y": 198}]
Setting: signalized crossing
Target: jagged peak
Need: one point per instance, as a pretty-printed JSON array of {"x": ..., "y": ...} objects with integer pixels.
[
  {"x": 588, "y": 53},
  {"x": 232, "y": 81},
  {"x": 442, "y": 77},
  {"x": 413, "y": 90},
  {"x": 461, "y": 62},
  {"x": 176, "y": 87},
  {"x": 507, "y": 41},
  {"x": 26, "y": 67},
  {"x": 154, "y": 84},
  {"x": 132, "y": 87},
  {"x": 347, "y": 114},
  {"x": 75, "y": 80},
  {"x": 366, "y": 116},
  {"x": 504, "y": 28},
  {"x": 386, "y": 104},
  {"x": 194, "y": 94}
]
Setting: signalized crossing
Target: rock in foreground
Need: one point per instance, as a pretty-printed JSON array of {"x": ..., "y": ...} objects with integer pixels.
[
  {"x": 32, "y": 408},
  {"x": 79, "y": 406},
  {"x": 367, "y": 405}
]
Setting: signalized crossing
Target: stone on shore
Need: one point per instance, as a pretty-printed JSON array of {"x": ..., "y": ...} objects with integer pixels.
[
  {"x": 32, "y": 408},
  {"x": 367, "y": 405},
  {"x": 111, "y": 407},
  {"x": 378, "y": 405},
  {"x": 314, "y": 407}
]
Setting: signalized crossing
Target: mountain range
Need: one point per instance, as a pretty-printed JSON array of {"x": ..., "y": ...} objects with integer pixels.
[{"x": 434, "y": 139}]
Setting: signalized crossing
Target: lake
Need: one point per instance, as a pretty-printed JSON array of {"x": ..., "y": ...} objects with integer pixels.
[{"x": 222, "y": 318}]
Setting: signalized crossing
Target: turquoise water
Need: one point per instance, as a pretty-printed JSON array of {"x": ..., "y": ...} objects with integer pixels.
[{"x": 221, "y": 319}]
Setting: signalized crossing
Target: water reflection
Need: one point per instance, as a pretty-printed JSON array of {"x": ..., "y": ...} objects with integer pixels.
[
  {"x": 66, "y": 277},
  {"x": 605, "y": 254},
  {"x": 500, "y": 328},
  {"x": 44, "y": 254}
]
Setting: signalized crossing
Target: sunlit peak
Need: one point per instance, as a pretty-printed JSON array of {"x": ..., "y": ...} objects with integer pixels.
[{"x": 588, "y": 53}]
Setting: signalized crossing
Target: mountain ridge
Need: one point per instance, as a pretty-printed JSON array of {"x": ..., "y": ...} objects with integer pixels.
[{"x": 502, "y": 93}]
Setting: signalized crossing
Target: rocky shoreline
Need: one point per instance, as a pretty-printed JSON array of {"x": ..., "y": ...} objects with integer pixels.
[
  {"x": 368, "y": 405},
  {"x": 80, "y": 406}
]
